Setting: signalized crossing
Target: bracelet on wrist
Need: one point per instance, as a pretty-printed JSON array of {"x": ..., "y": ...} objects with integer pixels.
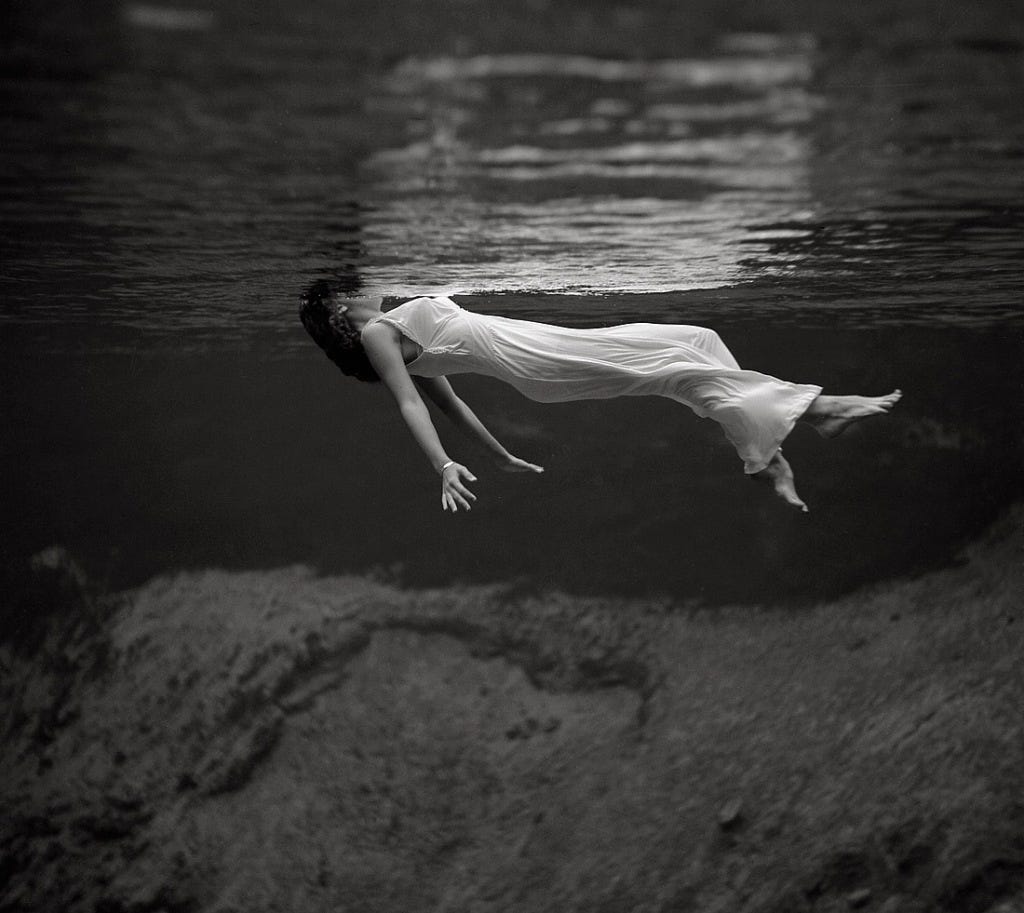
[{"x": 446, "y": 465}]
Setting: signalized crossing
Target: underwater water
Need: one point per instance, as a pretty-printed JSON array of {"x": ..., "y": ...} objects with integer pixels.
[{"x": 838, "y": 192}]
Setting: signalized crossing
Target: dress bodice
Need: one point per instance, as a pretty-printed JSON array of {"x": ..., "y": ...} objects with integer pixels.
[{"x": 443, "y": 332}]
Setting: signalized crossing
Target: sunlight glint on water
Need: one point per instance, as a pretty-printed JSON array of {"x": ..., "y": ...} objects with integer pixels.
[
  {"x": 623, "y": 176},
  {"x": 194, "y": 174}
]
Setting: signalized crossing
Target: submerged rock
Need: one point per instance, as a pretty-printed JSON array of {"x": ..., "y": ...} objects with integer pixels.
[
  {"x": 731, "y": 814},
  {"x": 281, "y": 741},
  {"x": 859, "y": 898}
]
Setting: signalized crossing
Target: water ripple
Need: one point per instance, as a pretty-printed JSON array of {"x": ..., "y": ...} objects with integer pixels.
[
  {"x": 755, "y": 72},
  {"x": 181, "y": 170}
]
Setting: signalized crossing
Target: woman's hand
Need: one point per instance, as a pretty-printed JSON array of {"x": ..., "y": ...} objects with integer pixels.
[
  {"x": 513, "y": 464},
  {"x": 453, "y": 492}
]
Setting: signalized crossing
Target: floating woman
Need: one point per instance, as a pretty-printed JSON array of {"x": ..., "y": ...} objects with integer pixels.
[{"x": 416, "y": 345}]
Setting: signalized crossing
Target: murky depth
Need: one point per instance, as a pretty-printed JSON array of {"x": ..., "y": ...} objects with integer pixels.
[{"x": 170, "y": 179}]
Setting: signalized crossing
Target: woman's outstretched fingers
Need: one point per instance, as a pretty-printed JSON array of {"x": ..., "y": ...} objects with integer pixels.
[
  {"x": 453, "y": 492},
  {"x": 461, "y": 492},
  {"x": 515, "y": 464}
]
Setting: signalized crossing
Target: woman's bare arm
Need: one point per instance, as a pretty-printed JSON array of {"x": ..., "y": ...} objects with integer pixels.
[
  {"x": 465, "y": 419},
  {"x": 385, "y": 354},
  {"x": 441, "y": 392}
]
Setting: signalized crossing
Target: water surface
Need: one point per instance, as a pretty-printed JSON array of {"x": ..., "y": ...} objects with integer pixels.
[{"x": 838, "y": 191}]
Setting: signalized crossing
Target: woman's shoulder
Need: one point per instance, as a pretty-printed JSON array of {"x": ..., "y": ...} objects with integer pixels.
[
  {"x": 428, "y": 304},
  {"x": 430, "y": 300},
  {"x": 418, "y": 318}
]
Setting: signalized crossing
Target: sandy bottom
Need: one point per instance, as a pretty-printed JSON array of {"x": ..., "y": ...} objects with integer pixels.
[{"x": 281, "y": 741}]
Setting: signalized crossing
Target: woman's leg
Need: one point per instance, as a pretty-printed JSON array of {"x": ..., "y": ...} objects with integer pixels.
[
  {"x": 709, "y": 341},
  {"x": 703, "y": 339},
  {"x": 755, "y": 411},
  {"x": 779, "y": 475},
  {"x": 830, "y": 416},
  {"x": 701, "y": 342}
]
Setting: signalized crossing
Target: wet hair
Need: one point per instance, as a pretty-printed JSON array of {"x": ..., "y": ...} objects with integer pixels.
[{"x": 321, "y": 314}]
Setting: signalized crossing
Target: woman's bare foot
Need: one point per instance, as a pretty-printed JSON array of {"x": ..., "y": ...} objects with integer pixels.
[
  {"x": 779, "y": 474},
  {"x": 832, "y": 415}
]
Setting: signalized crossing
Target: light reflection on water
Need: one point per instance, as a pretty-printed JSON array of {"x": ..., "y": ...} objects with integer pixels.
[
  {"x": 194, "y": 173},
  {"x": 577, "y": 175}
]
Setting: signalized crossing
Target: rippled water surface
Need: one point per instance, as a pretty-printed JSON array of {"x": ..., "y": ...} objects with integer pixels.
[
  {"x": 184, "y": 168},
  {"x": 171, "y": 177}
]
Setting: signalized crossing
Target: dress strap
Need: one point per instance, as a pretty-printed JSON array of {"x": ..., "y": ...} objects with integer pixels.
[{"x": 403, "y": 327}]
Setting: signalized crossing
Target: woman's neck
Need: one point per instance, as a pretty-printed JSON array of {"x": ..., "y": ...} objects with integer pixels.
[{"x": 361, "y": 309}]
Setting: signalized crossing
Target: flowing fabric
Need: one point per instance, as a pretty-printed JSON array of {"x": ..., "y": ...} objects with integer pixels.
[{"x": 555, "y": 364}]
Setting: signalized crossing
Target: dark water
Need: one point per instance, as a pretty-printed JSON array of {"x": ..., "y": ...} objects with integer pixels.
[{"x": 838, "y": 191}]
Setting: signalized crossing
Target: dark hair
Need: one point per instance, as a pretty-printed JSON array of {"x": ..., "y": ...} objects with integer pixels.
[{"x": 323, "y": 319}]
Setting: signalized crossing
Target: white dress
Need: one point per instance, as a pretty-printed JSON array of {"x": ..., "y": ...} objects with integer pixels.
[{"x": 553, "y": 364}]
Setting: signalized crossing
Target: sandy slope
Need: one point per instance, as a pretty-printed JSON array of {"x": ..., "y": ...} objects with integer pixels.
[{"x": 279, "y": 741}]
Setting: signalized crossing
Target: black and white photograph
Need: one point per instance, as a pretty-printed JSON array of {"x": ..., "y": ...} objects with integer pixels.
[{"x": 512, "y": 456}]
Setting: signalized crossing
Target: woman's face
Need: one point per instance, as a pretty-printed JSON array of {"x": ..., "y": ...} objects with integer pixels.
[{"x": 363, "y": 301}]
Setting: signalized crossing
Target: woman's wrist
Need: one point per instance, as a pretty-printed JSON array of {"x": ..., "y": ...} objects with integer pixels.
[{"x": 444, "y": 466}]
